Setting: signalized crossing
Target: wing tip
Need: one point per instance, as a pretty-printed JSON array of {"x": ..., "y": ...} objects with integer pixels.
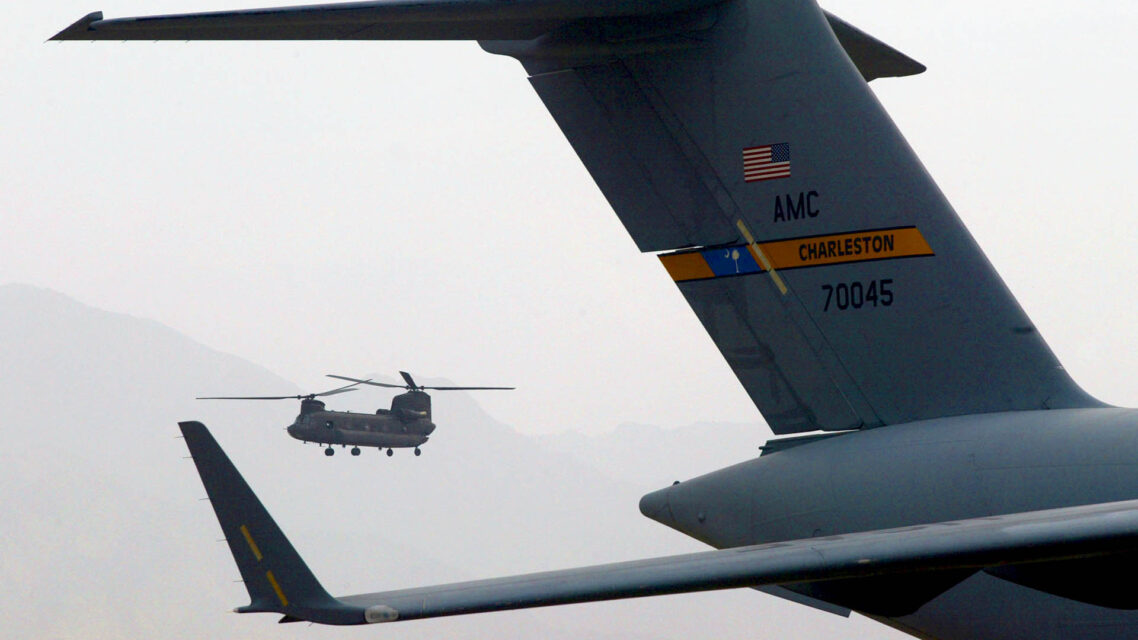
[
  {"x": 195, "y": 433},
  {"x": 80, "y": 29}
]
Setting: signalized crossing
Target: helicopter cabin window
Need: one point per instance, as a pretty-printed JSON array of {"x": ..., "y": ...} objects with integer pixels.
[{"x": 329, "y": 424}]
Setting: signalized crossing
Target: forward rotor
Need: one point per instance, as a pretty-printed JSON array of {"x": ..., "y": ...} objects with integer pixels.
[{"x": 310, "y": 396}]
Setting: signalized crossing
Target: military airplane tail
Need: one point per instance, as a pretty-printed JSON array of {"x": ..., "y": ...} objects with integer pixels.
[{"x": 740, "y": 142}]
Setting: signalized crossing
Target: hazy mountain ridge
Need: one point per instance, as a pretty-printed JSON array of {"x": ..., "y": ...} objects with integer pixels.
[{"x": 108, "y": 536}]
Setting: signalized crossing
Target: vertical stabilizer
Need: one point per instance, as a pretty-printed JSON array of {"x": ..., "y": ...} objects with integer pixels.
[{"x": 740, "y": 142}]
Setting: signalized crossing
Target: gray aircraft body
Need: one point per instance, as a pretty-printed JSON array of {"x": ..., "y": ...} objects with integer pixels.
[
  {"x": 398, "y": 427},
  {"x": 940, "y": 472}
]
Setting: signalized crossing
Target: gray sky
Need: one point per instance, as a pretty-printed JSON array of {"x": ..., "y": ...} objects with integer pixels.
[{"x": 368, "y": 207}]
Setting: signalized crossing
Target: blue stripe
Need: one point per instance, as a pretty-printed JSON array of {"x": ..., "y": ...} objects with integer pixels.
[{"x": 730, "y": 261}]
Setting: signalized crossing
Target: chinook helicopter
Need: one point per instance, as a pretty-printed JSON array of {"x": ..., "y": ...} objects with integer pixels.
[{"x": 406, "y": 424}]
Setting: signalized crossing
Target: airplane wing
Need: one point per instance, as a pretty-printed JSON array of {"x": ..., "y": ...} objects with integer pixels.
[{"x": 944, "y": 553}]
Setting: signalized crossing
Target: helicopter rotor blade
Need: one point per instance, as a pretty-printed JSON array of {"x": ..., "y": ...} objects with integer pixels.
[
  {"x": 332, "y": 392},
  {"x": 469, "y": 388},
  {"x": 411, "y": 384},
  {"x": 370, "y": 382},
  {"x": 344, "y": 389},
  {"x": 250, "y": 397}
]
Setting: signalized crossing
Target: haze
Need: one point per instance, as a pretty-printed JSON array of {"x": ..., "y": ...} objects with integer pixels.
[{"x": 361, "y": 208}]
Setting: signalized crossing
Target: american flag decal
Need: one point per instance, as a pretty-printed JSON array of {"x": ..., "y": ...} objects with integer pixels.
[{"x": 766, "y": 162}]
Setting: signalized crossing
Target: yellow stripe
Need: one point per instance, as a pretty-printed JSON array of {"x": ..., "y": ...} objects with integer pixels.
[
  {"x": 858, "y": 246},
  {"x": 252, "y": 545},
  {"x": 276, "y": 587},
  {"x": 816, "y": 251},
  {"x": 759, "y": 256}
]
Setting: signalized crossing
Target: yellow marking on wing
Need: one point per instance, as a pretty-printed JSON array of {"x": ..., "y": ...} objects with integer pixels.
[
  {"x": 759, "y": 256},
  {"x": 277, "y": 588},
  {"x": 858, "y": 246},
  {"x": 686, "y": 266},
  {"x": 252, "y": 545}
]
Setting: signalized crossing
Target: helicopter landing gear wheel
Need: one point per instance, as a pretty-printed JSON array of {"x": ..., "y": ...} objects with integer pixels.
[
  {"x": 390, "y": 452},
  {"x": 417, "y": 452},
  {"x": 355, "y": 451},
  {"x": 329, "y": 451}
]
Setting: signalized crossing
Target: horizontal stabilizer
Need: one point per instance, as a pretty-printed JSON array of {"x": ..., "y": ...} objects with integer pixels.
[
  {"x": 438, "y": 20},
  {"x": 383, "y": 20},
  {"x": 925, "y": 555}
]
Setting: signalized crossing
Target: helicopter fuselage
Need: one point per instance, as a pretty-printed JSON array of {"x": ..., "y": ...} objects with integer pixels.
[
  {"x": 405, "y": 425},
  {"x": 360, "y": 429}
]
